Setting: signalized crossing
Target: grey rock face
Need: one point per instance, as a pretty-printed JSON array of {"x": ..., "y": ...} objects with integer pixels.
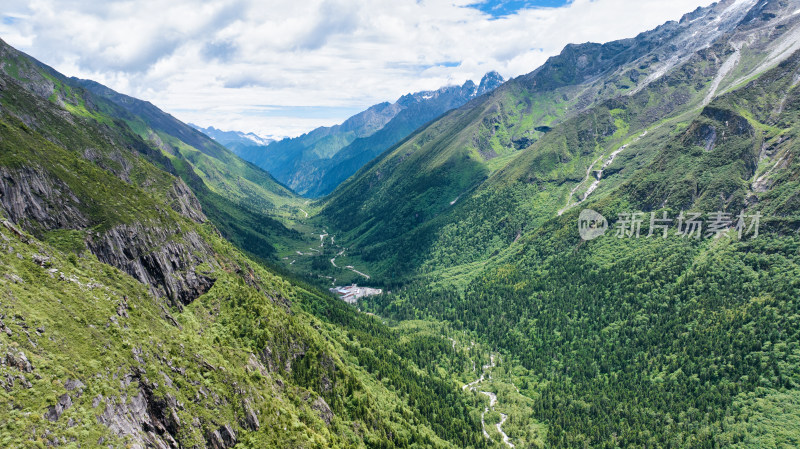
[
  {"x": 148, "y": 421},
  {"x": 29, "y": 195},
  {"x": 183, "y": 201},
  {"x": 222, "y": 438},
  {"x": 324, "y": 411},
  {"x": 55, "y": 411},
  {"x": 74, "y": 384},
  {"x": 162, "y": 258},
  {"x": 250, "y": 417},
  {"x": 130, "y": 418}
]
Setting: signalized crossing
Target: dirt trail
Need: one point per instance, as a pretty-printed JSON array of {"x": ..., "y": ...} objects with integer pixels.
[
  {"x": 350, "y": 267},
  {"x": 322, "y": 237}
]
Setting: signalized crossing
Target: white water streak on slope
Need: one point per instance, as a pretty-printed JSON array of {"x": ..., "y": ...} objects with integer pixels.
[{"x": 724, "y": 70}]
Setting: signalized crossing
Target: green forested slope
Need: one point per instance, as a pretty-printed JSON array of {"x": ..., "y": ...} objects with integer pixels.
[
  {"x": 648, "y": 342},
  {"x": 465, "y": 186},
  {"x": 126, "y": 317},
  {"x": 657, "y": 342}
]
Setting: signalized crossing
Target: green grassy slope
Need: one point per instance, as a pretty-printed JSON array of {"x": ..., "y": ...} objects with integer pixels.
[
  {"x": 126, "y": 318},
  {"x": 244, "y": 355},
  {"x": 246, "y": 203}
]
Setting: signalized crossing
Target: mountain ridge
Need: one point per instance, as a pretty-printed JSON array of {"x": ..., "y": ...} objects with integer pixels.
[
  {"x": 627, "y": 333},
  {"x": 316, "y": 162},
  {"x": 228, "y": 138}
]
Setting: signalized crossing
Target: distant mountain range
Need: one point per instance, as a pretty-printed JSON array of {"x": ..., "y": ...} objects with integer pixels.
[
  {"x": 233, "y": 140},
  {"x": 316, "y": 162}
]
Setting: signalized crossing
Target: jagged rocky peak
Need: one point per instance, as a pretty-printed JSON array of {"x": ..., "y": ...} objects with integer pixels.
[
  {"x": 370, "y": 120},
  {"x": 232, "y": 137},
  {"x": 469, "y": 86},
  {"x": 490, "y": 81},
  {"x": 664, "y": 47}
]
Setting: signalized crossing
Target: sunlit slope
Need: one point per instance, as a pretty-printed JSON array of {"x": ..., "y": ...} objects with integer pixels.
[{"x": 466, "y": 185}]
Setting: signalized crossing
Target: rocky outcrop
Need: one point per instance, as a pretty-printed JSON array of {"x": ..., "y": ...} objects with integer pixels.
[
  {"x": 222, "y": 438},
  {"x": 32, "y": 198},
  {"x": 3, "y": 328},
  {"x": 14, "y": 66},
  {"x": 113, "y": 162},
  {"x": 19, "y": 361},
  {"x": 164, "y": 259},
  {"x": 129, "y": 417},
  {"x": 323, "y": 410},
  {"x": 74, "y": 387},
  {"x": 55, "y": 411},
  {"x": 733, "y": 122},
  {"x": 146, "y": 419},
  {"x": 183, "y": 201},
  {"x": 706, "y": 137},
  {"x": 250, "y": 417}
]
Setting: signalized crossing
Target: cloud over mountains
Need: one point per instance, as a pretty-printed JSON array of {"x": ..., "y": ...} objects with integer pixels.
[{"x": 219, "y": 62}]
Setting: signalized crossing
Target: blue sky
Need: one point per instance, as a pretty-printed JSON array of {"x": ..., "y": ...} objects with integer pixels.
[
  {"x": 312, "y": 63},
  {"x": 502, "y": 8}
]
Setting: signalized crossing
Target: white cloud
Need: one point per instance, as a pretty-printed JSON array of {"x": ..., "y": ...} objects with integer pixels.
[{"x": 215, "y": 63}]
